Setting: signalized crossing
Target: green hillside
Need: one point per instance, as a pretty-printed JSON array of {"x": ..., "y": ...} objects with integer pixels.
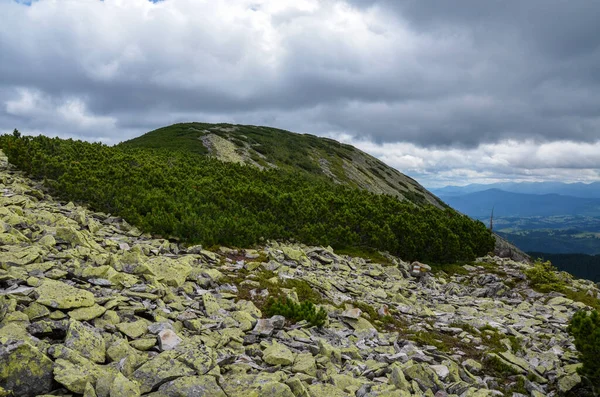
[
  {"x": 199, "y": 199},
  {"x": 266, "y": 148}
]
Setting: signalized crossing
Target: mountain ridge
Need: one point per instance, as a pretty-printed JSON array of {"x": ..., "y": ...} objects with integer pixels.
[
  {"x": 266, "y": 148},
  {"x": 479, "y": 204},
  {"x": 578, "y": 189}
]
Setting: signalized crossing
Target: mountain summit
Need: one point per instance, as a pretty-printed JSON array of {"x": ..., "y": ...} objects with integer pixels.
[{"x": 272, "y": 148}]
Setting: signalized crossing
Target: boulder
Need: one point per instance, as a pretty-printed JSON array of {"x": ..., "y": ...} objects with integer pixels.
[
  {"x": 87, "y": 341},
  {"x": 24, "y": 370},
  {"x": 58, "y": 295},
  {"x": 200, "y": 386},
  {"x": 278, "y": 354}
]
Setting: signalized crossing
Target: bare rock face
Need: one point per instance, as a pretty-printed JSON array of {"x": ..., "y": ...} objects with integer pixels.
[
  {"x": 90, "y": 305},
  {"x": 504, "y": 249}
]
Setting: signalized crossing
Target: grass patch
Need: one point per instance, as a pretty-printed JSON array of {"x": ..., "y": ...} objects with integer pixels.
[
  {"x": 494, "y": 365},
  {"x": 465, "y": 327}
]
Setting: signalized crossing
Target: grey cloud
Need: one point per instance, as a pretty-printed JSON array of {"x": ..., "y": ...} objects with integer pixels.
[{"x": 434, "y": 73}]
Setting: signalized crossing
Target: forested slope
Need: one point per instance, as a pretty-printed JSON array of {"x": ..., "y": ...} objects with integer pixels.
[{"x": 200, "y": 199}]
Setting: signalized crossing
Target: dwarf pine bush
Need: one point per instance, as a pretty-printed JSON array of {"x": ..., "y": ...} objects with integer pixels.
[
  {"x": 297, "y": 312},
  {"x": 585, "y": 328}
]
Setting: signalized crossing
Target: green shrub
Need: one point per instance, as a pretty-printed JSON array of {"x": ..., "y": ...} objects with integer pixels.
[
  {"x": 585, "y": 328},
  {"x": 296, "y": 312},
  {"x": 542, "y": 274}
]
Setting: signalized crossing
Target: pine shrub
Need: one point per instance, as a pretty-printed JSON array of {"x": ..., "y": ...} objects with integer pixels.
[
  {"x": 296, "y": 312},
  {"x": 585, "y": 328}
]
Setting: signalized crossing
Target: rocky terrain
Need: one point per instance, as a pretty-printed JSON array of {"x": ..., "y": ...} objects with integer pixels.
[{"x": 89, "y": 305}]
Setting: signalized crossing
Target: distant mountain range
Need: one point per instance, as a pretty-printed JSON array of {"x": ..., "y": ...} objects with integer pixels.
[
  {"x": 550, "y": 217},
  {"x": 479, "y": 204},
  {"x": 584, "y": 190}
]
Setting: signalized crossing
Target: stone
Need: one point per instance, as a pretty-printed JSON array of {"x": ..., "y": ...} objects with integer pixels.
[
  {"x": 472, "y": 366},
  {"x": 168, "y": 340},
  {"x": 200, "y": 386},
  {"x": 305, "y": 363},
  {"x": 171, "y": 272},
  {"x": 162, "y": 368},
  {"x": 24, "y": 370},
  {"x": 123, "y": 387},
  {"x": 261, "y": 385},
  {"x": 87, "y": 313},
  {"x": 58, "y": 295},
  {"x": 87, "y": 341},
  {"x": 278, "y": 354},
  {"x": 441, "y": 371},
  {"x": 74, "y": 371},
  {"x": 567, "y": 382},
  {"x": 277, "y": 321},
  {"x": 210, "y": 304},
  {"x": 325, "y": 390},
  {"x": 353, "y": 313},
  {"x": 263, "y": 327},
  {"x": 425, "y": 377},
  {"x": 134, "y": 329},
  {"x": 398, "y": 379}
]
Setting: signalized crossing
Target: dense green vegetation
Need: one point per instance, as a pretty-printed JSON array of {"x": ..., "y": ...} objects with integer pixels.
[
  {"x": 544, "y": 277},
  {"x": 275, "y": 148},
  {"x": 203, "y": 200},
  {"x": 585, "y": 328},
  {"x": 579, "y": 265},
  {"x": 296, "y": 311},
  {"x": 283, "y": 148}
]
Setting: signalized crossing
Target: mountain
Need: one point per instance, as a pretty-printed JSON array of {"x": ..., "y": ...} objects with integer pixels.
[
  {"x": 272, "y": 148},
  {"x": 508, "y": 204},
  {"x": 584, "y": 190},
  {"x": 182, "y": 191},
  {"x": 91, "y": 305}
]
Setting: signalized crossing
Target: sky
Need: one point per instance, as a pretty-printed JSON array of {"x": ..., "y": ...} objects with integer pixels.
[{"x": 448, "y": 92}]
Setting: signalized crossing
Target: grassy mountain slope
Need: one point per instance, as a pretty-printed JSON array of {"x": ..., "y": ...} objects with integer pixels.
[{"x": 266, "y": 148}]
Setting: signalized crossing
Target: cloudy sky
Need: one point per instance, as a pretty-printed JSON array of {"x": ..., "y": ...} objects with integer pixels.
[{"x": 449, "y": 92}]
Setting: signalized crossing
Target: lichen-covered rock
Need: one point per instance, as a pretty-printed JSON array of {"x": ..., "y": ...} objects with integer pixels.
[
  {"x": 160, "y": 369},
  {"x": 58, "y": 295},
  {"x": 87, "y": 313},
  {"x": 87, "y": 341},
  {"x": 325, "y": 390},
  {"x": 305, "y": 363},
  {"x": 424, "y": 375},
  {"x": 74, "y": 371},
  {"x": 278, "y": 354},
  {"x": 24, "y": 370},
  {"x": 123, "y": 387},
  {"x": 133, "y": 329},
  {"x": 261, "y": 385},
  {"x": 200, "y": 386},
  {"x": 567, "y": 382}
]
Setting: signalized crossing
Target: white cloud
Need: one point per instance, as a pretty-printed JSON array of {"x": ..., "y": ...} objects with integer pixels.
[
  {"x": 488, "y": 163},
  {"x": 444, "y": 99}
]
